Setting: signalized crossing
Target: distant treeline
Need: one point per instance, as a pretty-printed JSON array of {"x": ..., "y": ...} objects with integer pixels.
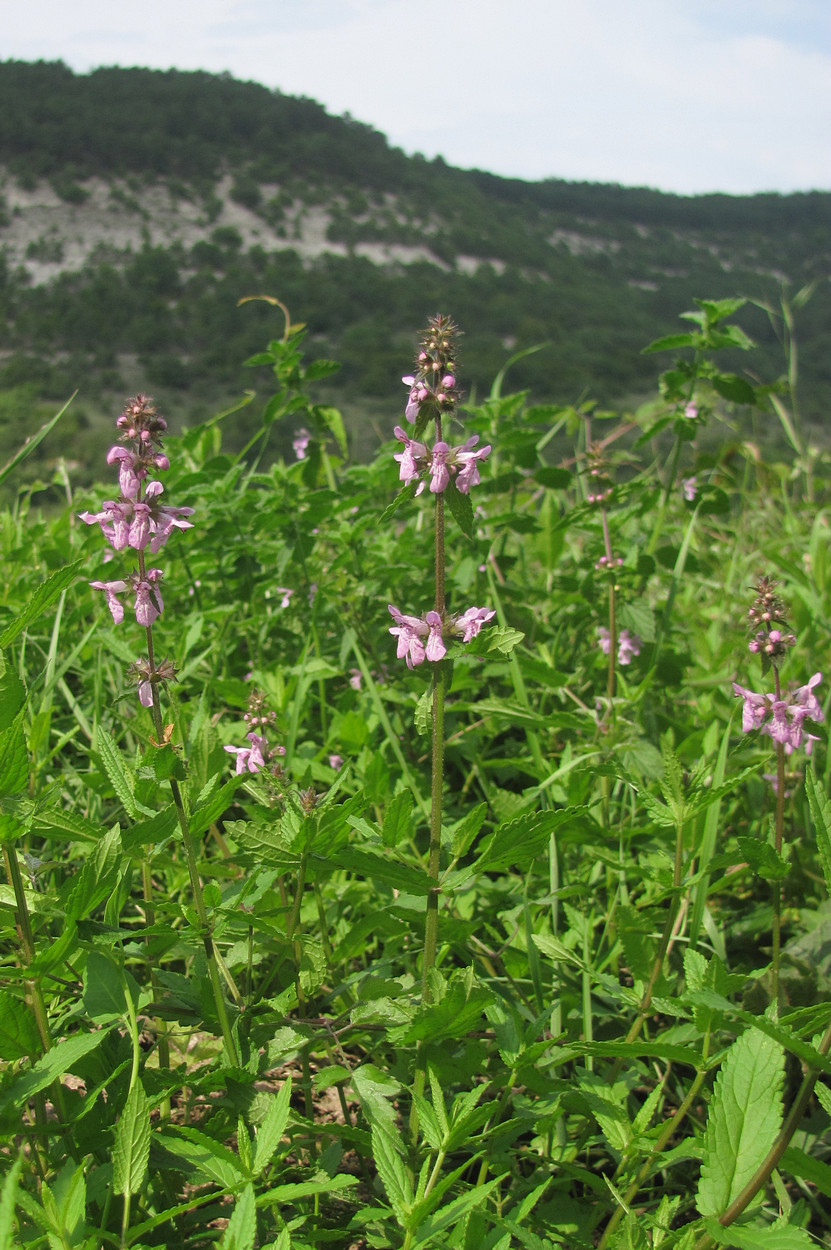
[{"x": 191, "y": 125}]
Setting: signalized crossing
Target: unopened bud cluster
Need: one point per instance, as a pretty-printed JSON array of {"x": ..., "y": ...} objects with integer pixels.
[
  {"x": 765, "y": 615},
  {"x": 258, "y": 754}
]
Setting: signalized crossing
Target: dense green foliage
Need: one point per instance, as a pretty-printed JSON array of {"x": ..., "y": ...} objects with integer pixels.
[
  {"x": 221, "y": 1023},
  {"x": 590, "y": 271}
]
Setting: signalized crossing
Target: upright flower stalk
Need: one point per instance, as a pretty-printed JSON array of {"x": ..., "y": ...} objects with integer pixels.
[
  {"x": 139, "y": 521},
  {"x": 433, "y": 397},
  {"x": 780, "y": 715}
]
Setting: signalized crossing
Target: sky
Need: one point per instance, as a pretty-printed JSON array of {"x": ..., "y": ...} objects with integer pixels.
[{"x": 690, "y": 97}]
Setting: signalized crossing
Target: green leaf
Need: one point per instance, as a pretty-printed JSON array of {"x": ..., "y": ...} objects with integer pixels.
[
  {"x": 381, "y": 868},
  {"x": 27, "y": 449},
  {"x": 375, "y": 1089},
  {"x": 52, "y": 1065},
  {"x": 763, "y": 860},
  {"x": 7, "y": 1204},
  {"x": 202, "y": 1154},
  {"x": 743, "y": 1120},
  {"x": 821, "y": 816},
  {"x": 46, "y": 594},
  {"x": 460, "y": 508},
  {"x": 104, "y": 991},
  {"x": 12, "y": 697},
  {"x": 760, "y": 1237},
  {"x": 396, "y": 823},
  {"x": 672, "y": 342},
  {"x": 210, "y": 811},
  {"x": 131, "y": 1150},
  {"x": 735, "y": 388},
  {"x": 18, "y": 1032},
  {"x": 424, "y": 714},
  {"x": 242, "y": 1226},
  {"x": 503, "y": 639},
  {"x": 272, "y": 1128},
  {"x": 798, "y": 1163},
  {"x": 521, "y": 840},
  {"x": 14, "y": 759},
  {"x": 116, "y": 768}
]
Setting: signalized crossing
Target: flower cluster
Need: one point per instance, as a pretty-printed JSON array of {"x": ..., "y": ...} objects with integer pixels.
[
  {"x": 258, "y": 754},
  {"x": 433, "y": 384},
  {"x": 422, "y": 637},
  {"x": 628, "y": 645},
  {"x": 442, "y": 463},
  {"x": 782, "y": 718},
  {"x": 140, "y": 521}
]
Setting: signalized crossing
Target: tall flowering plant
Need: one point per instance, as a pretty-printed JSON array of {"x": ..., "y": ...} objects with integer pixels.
[
  {"x": 139, "y": 522},
  {"x": 446, "y": 470},
  {"x": 779, "y": 714}
]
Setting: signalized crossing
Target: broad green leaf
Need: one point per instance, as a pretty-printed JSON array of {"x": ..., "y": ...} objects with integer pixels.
[
  {"x": 460, "y": 508},
  {"x": 198, "y": 1152},
  {"x": 18, "y": 1032},
  {"x": 519, "y": 841},
  {"x": 14, "y": 759},
  {"x": 821, "y": 816},
  {"x": 673, "y": 342},
  {"x": 210, "y": 811},
  {"x": 97, "y": 877},
  {"x": 454, "y": 1212},
  {"x": 760, "y": 1237},
  {"x": 46, "y": 594},
  {"x": 800, "y": 1164},
  {"x": 381, "y": 868},
  {"x": 131, "y": 1150},
  {"x": 743, "y": 1120},
  {"x": 272, "y": 1128},
  {"x": 11, "y": 830},
  {"x": 50, "y": 1067},
  {"x": 12, "y": 697},
  {"x": 103, "y": 988},
  {"x": 242, "y": 1226},
  {"x": 396, "y": 824},
  {"x": 763, "y": 860},
  {"x": 424, "y": 714},
  {"x": 460, "y": 1010}
]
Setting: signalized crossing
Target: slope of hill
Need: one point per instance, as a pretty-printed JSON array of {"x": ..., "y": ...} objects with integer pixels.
[{"x": 138, "y": 207}]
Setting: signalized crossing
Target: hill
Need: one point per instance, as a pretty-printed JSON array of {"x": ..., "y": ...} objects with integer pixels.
[{"x": 139, "y": 206}]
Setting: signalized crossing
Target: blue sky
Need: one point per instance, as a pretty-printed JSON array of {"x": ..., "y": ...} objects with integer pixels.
[{"x": 716, "y": 95}]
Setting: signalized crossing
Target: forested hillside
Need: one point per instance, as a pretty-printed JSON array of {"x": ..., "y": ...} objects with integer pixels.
[{"x": 138, "y": 207}]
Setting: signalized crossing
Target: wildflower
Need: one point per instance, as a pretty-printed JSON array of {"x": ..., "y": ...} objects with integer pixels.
[
  {"x": 139, "y": 524},
  {"x": 148, "y": 601},
  {"x": 471, "y": 621},
  {"x": 250, "y": 759},
  {"x": 355, "y": 678},
  {"x": 690, "y": 487},
  {"x": 147, "y": 677},
  {"x": 409, "y": 630},
  {"x": 300, "y": 442},
  {"x": 286, "y": 593},
  {"x": 443, "y": 462},
  {"x": 336, "y": 761},
  {"x": 628, "y": 644},
  {"x": 691, "y": 411},
  {"x": 781, "y": 719}
]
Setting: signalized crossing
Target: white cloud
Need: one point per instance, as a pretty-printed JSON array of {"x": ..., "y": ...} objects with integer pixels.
[{"x": 729, "y": 96}]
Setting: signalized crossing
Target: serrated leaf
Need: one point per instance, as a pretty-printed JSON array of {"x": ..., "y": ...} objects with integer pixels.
[
  {"x": 12, "y": 697},
  {"x": 763, "y": 860},
  {"x": 821, "y": 816},
  {"x": 131, "y": 1150},
  {"x": 800, "y": 1164},
  {"x": 47, "y": 593},
  {"x": 672, "y": 342},
  {"x": 119, "y": 773},
  {"x": 381, "y": 868},
  {"x": 242, "y": 1226},
  {"x": 396, "y": 823},
  {"x": 210, "y": 811},
  {"x": 18, "y": 1030},
  {"x": 403, "y": 496},
  {"x": 744, "y": 1118},
  {"x": 52, "y": 1065},
  {"x": 272, "y": 1128},
  {"x": 520, "y": 840},
  {"x": 14, "y": 759},
  {"x": 503, "y": 639},
  {"x": 204, "y": 1155},
  {"x": 760, "y": 1237},
  {"x": 424, "y": 714},
  {"x": 735, "y": 388}
]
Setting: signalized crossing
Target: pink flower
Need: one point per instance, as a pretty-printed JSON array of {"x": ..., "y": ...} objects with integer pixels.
[
  {"x": 471, "y": 621},
  {"x": 300, "y": 442},
  {"x": 628, "y": 644},
  {"x": 148, "y": 601},
  {"x": 355, "y": 678},
  {"x": 409, "y": 630},
  {"x": 781, "y": 719},
  {"x": 286, "y": 592},
  {"x": 690, "y": 486},
  {"x": 435, "y": 649},
  {"x": 412, "y": 459},
  {"x": 336, "y": 761},
  {"x": 112, "y": 590},
  {"x": 250, "y": 759},
  {"x": 691, "y": 411},
  {"x": 439, "y": 472},
  {"x": 467, "y": 458}
]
